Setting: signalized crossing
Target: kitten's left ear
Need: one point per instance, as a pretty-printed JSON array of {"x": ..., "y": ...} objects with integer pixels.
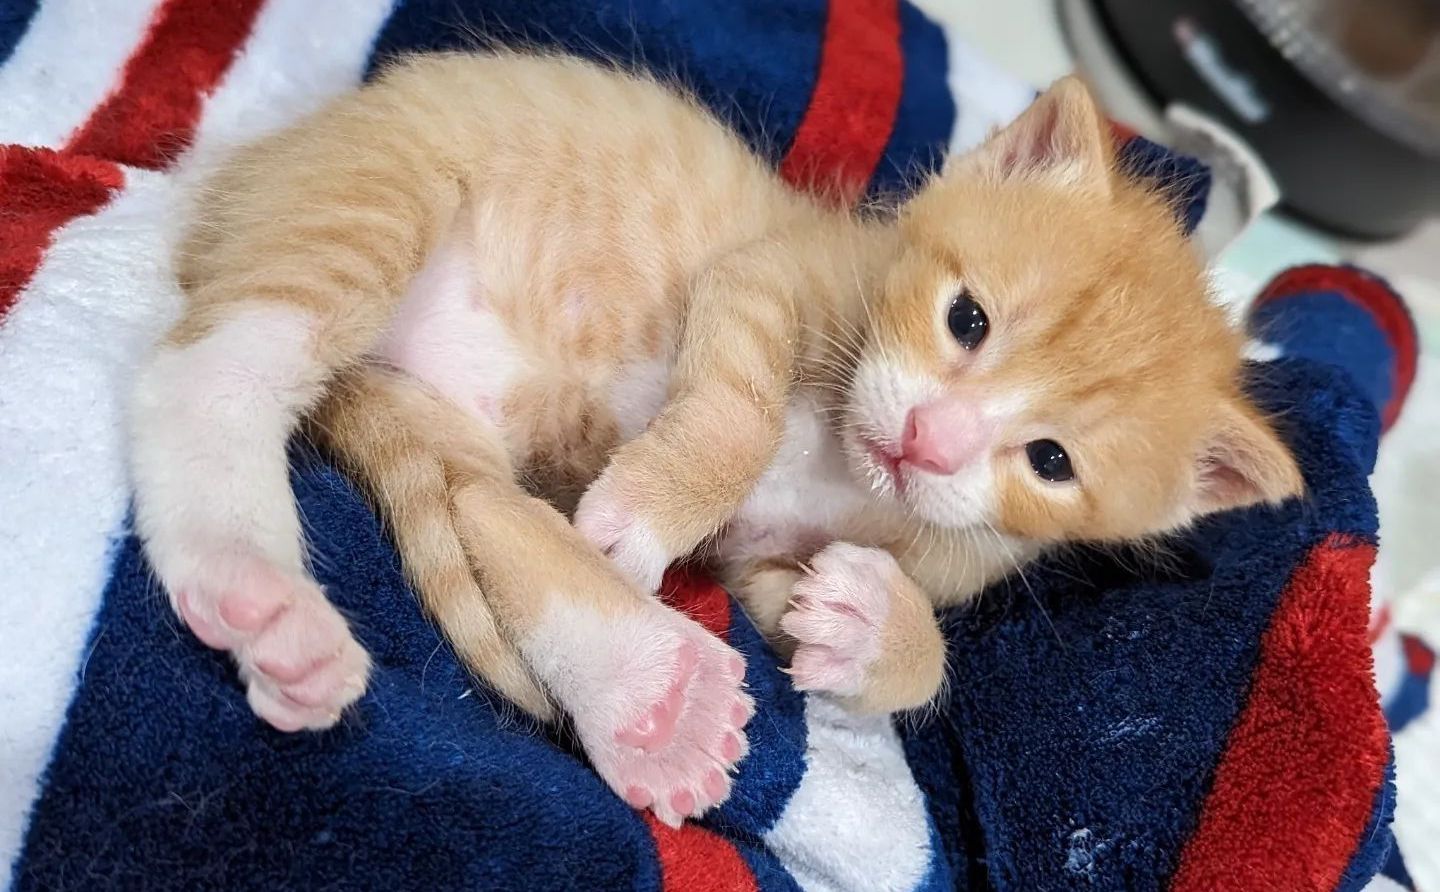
[
  {"x": 1243, "y": 462},
  {"x": 1062, "y": 136}
]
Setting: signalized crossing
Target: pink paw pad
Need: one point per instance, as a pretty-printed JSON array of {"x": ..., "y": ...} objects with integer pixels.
[
  {"x": 204, "y": 627},
  {"x": 301, "y": 665},
  {"x": 250, "y": 610},
  {"x": 675, "y": 758},
  {"x": 683, "y": 803},
  {"x": 655, "y": 728},
  {"x": 328, "y": 685},
  {"x": 731, "y": 748},
  {"x": 303, "y": 639},
  {"x": 716, "y": 786},
  {"x": 739, "y": 714},
  {"x": 638, "y": 797}
]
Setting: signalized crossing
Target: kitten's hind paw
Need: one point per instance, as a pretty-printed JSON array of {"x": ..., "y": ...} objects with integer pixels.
[
  {"x": 300, "y": 664},
  {"x": 675, "y": 759},
  {"x": 658, "y": 703}
]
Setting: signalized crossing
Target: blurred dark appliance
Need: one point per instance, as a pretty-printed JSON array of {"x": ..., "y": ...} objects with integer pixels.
[{"x": 1339, "y": 98}]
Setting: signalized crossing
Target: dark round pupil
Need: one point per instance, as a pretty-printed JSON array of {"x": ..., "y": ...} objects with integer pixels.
[
  {"x": 967, "y": 321},
  {"x": 1049, "y": 460}
]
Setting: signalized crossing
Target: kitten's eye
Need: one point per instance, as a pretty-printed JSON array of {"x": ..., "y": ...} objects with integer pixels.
[
  {"x": 967, "y": 321},
  {"x": 1049, "y": 460}
]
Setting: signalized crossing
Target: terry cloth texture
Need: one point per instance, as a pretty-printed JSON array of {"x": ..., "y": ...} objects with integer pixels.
[{"x": 1206, "y": 722}]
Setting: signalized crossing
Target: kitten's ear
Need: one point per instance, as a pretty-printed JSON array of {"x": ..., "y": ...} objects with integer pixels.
[
  {"x": 1062, "y": 135},
  {"x": 1243, "y": 462}
]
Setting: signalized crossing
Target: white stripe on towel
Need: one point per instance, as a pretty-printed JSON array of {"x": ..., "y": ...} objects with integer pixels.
[
  {"x": 67, "y": 350},
  {"x": 857, "y": 822},
  {"x": 68, "y": 61}
]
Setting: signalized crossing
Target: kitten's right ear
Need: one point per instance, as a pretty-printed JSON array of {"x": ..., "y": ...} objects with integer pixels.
[{"x": 1062, "y": 136}]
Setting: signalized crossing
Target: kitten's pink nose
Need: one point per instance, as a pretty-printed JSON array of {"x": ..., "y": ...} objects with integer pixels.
[{"x": 944, "y": 436}]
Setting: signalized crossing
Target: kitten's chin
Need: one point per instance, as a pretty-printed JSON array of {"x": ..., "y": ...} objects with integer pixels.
[
  {"x": 942, "y": 501},
  {"x": 894, "y": 485}
]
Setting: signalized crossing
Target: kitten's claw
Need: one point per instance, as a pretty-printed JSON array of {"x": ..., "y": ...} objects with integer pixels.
[
  {"x": 838, "y": 614},
  {"x": 614, "y": 525},
  {"x": 300, "y": 664}
]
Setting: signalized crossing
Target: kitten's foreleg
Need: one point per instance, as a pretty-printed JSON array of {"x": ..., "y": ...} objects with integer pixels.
[
  {"x": 675, "y": 485},
  {"x": 853, "y": 625}
]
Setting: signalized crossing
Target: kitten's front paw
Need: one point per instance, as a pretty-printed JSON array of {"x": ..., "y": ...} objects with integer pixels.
[
  {"x": 300, "y": 664},
  {"x": 613, "y": 520},
  {"x": 838, "y": 615}
]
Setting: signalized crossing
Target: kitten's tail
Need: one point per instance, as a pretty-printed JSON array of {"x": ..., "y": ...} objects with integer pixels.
[{"x": 387, "y": 433}]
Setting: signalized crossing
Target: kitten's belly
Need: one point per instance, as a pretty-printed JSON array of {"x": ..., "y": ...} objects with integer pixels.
[
  {"x": 445, "y": 334},
  {"x": 532, "y": 386}
]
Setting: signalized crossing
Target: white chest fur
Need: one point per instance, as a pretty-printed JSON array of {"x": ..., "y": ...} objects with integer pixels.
[{"x": 807, "y": 498}]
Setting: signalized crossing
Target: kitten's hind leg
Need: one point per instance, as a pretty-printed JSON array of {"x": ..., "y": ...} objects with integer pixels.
[
  {"x": 657, "y": 701},
  {"x": 407, "y": 447},
  {"x": 304, "y": 245},
  {"x": 209, "y": 421}
]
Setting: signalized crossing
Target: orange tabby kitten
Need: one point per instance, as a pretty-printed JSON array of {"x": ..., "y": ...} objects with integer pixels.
[{"x": 506, "y": 286}]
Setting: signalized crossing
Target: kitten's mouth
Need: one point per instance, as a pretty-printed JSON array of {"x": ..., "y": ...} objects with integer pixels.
[{"x": 887, "y": 461}]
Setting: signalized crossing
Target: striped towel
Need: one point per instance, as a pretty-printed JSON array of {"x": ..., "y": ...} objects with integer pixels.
[{"x": 1209, "y": 725}]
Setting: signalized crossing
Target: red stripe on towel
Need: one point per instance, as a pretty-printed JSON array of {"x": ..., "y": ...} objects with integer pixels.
[
  {"x": 40, "y": 191},
  {"x": 1377, "y": 298},
  {"x": 700, "y": 598},
  {"x": 1297, "y": 782},
  {"x": 693, "y": 859},
  {"x": 1419, "y": 659},
  {"x": 852, "y": 109},
  {"x": 150, "y": 118}
]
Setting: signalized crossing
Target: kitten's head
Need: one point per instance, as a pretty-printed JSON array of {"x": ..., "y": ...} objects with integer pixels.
[{"x": 1045, "y": 356}]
